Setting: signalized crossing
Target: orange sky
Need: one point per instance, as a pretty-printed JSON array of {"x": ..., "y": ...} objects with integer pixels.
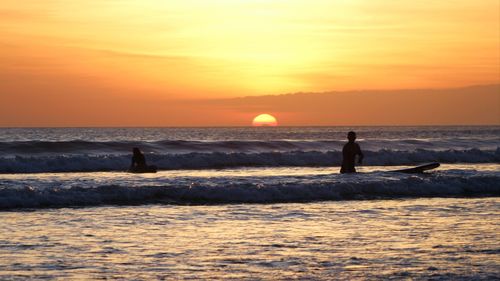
[{"x": 134, "y": 63}]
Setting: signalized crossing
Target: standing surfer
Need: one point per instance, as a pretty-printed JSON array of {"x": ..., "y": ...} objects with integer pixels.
[{"x": 349, "y": 152}]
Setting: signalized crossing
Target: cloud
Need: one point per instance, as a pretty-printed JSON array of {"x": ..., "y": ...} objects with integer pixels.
[{"x": 477, "y": 104}]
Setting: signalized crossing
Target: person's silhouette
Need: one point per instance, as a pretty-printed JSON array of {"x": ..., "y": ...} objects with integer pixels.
[
  {"x": 138, "y": 160},
  {"x": 349, "y": 152}
]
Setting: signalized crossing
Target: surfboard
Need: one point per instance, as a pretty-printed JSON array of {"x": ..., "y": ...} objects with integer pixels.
[
  {"x": 418, "y": 169},
  {"x": 148, "y": 169}
]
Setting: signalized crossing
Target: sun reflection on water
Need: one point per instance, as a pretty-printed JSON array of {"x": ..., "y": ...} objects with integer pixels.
[{"x": 342, "y": 240}]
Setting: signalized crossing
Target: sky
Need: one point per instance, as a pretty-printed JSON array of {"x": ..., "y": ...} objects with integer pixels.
[{"x": 161, "y": 63}]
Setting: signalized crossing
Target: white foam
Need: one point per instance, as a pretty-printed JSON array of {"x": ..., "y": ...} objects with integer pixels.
[
  {"x": 252, "y": 190},
  {"x": 197, "y": 160}
]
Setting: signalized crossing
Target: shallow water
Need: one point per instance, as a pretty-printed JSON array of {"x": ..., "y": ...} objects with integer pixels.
[{"x": 440, "y": 238}]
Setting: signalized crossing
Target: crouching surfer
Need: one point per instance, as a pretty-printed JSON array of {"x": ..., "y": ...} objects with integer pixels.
[
  {"x": 139, "y": 163},
  {"x": 349, "y": 152}
]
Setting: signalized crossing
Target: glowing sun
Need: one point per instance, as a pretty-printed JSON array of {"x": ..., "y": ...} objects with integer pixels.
[{"x": 264, "y": 120}]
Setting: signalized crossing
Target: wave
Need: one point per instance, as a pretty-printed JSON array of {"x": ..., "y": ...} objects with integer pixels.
[
  {"x": 216, "y": 160},
  {"x": 33, "y": 148},
  {"x": 172, "y": 146},
  {"x": 217, "y": 192}
]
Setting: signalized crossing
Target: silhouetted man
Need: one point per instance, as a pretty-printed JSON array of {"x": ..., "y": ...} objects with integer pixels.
[
  {"x": 138, "y": 160},
  {"x": 349, "y": 152}
]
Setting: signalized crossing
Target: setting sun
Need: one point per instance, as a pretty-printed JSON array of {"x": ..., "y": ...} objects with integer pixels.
[{"x": 264, "y": 120}]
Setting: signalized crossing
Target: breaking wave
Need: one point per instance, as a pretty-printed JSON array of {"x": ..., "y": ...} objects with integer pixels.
[
  {"x": 305, "y": 189},
  {"x": 13, "y": 148},
  {"x": 214, "y": 160}
]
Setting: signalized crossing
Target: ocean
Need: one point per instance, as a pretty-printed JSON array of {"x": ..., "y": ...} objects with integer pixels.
[{"x": 262, "y": 203}]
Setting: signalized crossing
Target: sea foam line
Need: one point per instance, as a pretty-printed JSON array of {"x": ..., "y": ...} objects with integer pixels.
[
  {"x": 299, "y": 190},
  {"x": 196, "y": 160}
]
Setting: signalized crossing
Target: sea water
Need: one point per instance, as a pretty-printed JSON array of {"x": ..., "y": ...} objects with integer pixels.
[{"x": 249, "y": 203}]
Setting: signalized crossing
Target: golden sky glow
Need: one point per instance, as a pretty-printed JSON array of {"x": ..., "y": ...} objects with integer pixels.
[{"x": 115, "y": 51}]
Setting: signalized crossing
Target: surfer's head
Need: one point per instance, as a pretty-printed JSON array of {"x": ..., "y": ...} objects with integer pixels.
[
  {"x": 136, "y": 151},
  {"x": 351, "y": 136}
]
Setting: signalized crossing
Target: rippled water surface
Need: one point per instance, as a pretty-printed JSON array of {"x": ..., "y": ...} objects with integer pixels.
[{"x": 440, "y": 238}]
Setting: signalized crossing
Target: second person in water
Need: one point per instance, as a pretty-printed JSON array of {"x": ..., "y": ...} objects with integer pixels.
[{"x": 138, "y": 164}]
